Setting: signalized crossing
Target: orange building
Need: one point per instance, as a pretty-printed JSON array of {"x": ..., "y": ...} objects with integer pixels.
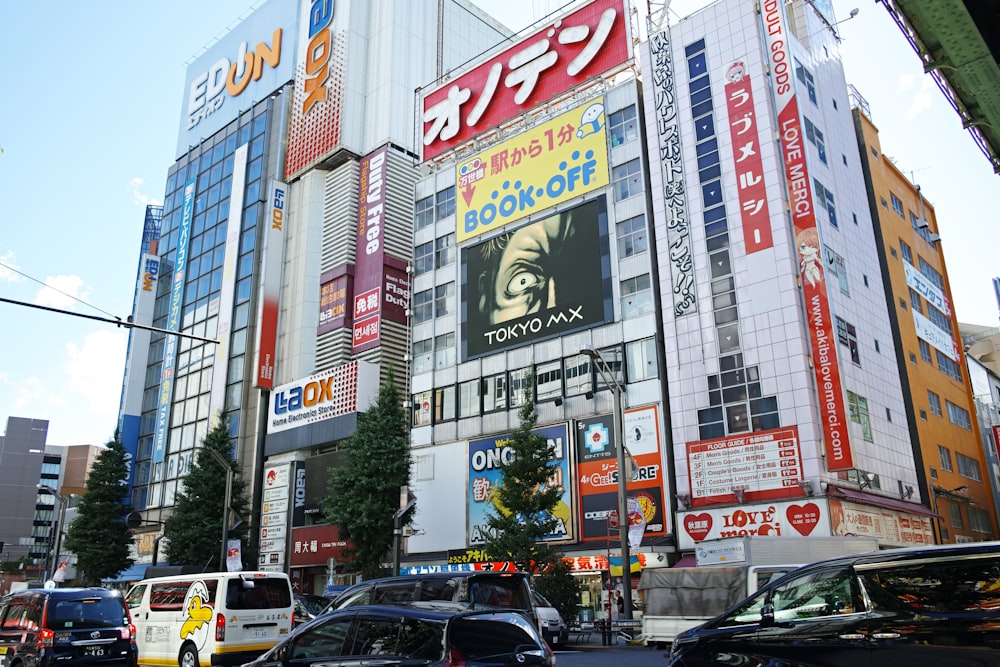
[{"x": 947, "y": 445}]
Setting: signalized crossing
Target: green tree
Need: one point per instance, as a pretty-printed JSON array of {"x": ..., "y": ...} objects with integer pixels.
[
  {"x": 561, "y": 588},
  {"x": 98, "y": 536},
  {"x": 364, "y": 490},
  {"x": 194, "y": 529},
  {"x": 525, "y": 497}
]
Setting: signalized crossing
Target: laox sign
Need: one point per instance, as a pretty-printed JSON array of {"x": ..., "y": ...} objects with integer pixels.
[{"x": 313, "y": 393}]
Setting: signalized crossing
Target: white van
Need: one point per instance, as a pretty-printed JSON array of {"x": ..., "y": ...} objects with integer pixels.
[{"x": 213, "y": 618}]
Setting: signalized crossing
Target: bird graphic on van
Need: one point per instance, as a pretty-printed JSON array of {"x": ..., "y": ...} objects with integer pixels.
[{"x": 199, "y": 614}]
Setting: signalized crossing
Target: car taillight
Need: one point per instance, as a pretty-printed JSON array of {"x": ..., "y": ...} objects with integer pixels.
[
  {"x": 128, "y": 632},
  {"x": 220, "y": 628},
  {"x": 455, "y": 659},
  {"x": 45, "y": 638}
]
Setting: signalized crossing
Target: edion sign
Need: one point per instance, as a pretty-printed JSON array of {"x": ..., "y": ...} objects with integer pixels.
[{"x": 586, "y": 43}]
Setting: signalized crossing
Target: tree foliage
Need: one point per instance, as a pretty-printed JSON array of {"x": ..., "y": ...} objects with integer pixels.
[
  {"x": 364, "y": 490},
  {"x": 98, "y": 536},
  {"x": 525, "y": 498},
  {"x": 561, "y": 588},
  {"x": 194, "y": 529}
]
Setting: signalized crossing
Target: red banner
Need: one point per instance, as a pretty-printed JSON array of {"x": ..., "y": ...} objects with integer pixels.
[{"x": 822, "y": 341}]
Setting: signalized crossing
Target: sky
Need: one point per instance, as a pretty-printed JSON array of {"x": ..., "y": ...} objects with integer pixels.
[{"x": 88, "y": 127}]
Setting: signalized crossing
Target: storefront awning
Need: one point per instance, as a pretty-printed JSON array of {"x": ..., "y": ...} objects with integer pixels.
[
  {"x": 134, "y": 573},
  {"x": 879, "y": 501}
]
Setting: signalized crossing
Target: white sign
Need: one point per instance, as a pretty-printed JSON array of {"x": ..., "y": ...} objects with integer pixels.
[
  {"x": 278, "y": 506},
  {"x": 935, "y": 336},
  {"x": 760, "y": 461}
]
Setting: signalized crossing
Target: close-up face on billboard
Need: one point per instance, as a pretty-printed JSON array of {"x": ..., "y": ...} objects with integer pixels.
[{"x": 544, "y": 279}]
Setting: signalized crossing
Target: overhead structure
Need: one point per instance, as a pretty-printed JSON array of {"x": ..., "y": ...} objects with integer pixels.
[{"x": 959, "y": 42}]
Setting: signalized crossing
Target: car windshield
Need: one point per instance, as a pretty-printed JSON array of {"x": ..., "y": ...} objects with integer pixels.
[
  {"x": 478, "y": 637},
  {"x": 314, "y": 604},
  {"x": 85, "y": 612}
]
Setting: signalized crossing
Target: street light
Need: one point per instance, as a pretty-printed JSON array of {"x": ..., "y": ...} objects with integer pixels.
[
  {"x": 227, "y": 465},
  {"x": 623, "y": 517},
  {"x": 952, "y": 493},
  {"x": 54, "y": 556}
]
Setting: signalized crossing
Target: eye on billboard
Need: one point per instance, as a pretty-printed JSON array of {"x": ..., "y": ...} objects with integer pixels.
[
  {"x": 553, "y": 162},
  {"x": 563, "y": 55},
  {"x": 544, "y": 279}
]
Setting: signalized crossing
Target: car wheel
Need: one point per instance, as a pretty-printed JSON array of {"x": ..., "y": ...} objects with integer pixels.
[{"x": 188, "y": 657}]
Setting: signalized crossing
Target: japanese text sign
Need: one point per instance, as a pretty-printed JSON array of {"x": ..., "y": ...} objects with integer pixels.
[
  {"x": 555, "y": 161},
  {"x": 561, "y": 56}
]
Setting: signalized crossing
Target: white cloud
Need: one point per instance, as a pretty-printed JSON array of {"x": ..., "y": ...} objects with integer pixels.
[
  {"x": 29, "y": 392},
  {"x": 138, "y": 197},
  {"x": 907, "y": 81},
  {"x": 95, "y": 369},
  {"x": 922, "y": 100},
  {"x": 62, "y": 292},
  {"x": 7, "y": 275}
]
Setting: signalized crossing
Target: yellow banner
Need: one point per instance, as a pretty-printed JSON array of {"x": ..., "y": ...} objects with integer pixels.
[{"x": 562, "y": 158}]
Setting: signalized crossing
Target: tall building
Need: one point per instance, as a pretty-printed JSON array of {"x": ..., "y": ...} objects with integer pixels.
[
  {"x": 24, "y": 459},
  {"x": 286, "y": 119},
  {"x": 941, "y": 412}
]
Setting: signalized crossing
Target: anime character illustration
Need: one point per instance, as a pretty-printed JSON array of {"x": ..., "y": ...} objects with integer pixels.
[
  {"x": 809, "y": 255},
  {"x": 736, "y": 72},
  {"x": 591, "y": 120}
]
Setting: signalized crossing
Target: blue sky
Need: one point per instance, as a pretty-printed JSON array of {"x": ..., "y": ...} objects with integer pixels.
[{"x": 91, "y": 99}]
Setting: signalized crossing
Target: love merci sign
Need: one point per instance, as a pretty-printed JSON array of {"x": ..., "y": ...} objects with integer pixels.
[{"x": 788, "y": 519}]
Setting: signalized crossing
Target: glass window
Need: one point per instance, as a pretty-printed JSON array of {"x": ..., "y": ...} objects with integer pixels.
[
  {"x": 837, "y": 268},
  {"x": 445, "y": 202},
  {"x": 806, "y": 78},
  {"x": 445, "y": 251},
  {"x": 945, "y": 586},
  {"x": 577, "y": 374},
  {"x": 421, "y": 409},
  {"x": 444, "y": 350},
  {"x": 935, "y": 402},
  {"x": 897, "y": 204},
  {"x": 944, "y": 458},
  {"x": 815, "y": 137},
  {"x": 423, "y": 258},
  {"x": 518, "y": 382},
  {"x": 444, "y": 299},
  {"x": 322, "y": 641},
  {"x": 950, "y": 368},
  {"x": 468, "y": 398},
  {"x": 423, "y": 213},
  {"x": 637, "y": 296},
  {"x": 925, "y": 351},
  {"x": 623, "y": 126},
  {"x": 548, "y": 380},
  {"x": 423, "y": 306},
  {"x": 422, "y": 351},
  {"x": 444, "y": 404},
  {"x": 632, "y": 238},
  {"x": 495, "y": 392},
  {"x": 627, "y": 179},
  {"x": 814, "y": 595},
  {"x": 640, "y": 357},
  {"x": 968, "y": 467}
]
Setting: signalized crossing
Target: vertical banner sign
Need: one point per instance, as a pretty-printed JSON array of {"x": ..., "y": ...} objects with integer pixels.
[
  {"x": 220, "y": 369},
  {"x": 823, "y": 344},
  {"x": 485, "y": 478},
  {"x": 750, "y": 183},
  {"x": 270, "y": 284},
  {"x": 370, "y": 253},
  {"x": 274, "y": 531},
  {"x": 173, "y": 324}
]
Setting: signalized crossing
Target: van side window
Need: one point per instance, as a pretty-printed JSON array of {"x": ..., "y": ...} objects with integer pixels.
[
  {"x": 813, "y": 595},
  {"x": 134, "y": 598},
  {"x": 168, "y": 596},
  {"x": 962, "y": 585},
  {"x": 270, "y": 593}
]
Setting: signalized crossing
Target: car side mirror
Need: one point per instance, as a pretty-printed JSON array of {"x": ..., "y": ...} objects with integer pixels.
[{"x": 767, "y": 616}]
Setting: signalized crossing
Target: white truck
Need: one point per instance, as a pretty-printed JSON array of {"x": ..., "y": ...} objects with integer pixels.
[{"x": 727, "y": 571}]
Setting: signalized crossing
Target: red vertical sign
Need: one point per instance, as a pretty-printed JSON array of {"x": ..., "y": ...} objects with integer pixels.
[
  {"x": 746, "y": 158},
  {"x": 823, "y": 343}
]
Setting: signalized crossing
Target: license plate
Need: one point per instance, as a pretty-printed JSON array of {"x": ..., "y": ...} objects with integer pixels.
[
  {"x": 93, "y": 651},
  {"x": 259, "y": 634}
]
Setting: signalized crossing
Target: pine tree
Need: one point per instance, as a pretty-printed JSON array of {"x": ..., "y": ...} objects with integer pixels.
[
  {"x": 194, "y": 529},
  {"x": 526, "y": 496},
  {"x": 98, "y": 536},
  {"x": 364, "y": 491}
]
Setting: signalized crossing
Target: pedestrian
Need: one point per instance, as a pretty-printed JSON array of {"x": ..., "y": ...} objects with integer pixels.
[{"x": 621, "y": 605}]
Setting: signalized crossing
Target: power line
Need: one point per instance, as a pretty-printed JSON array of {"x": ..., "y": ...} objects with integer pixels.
[
  {"x": 21, "y": 273},
  {"x": 128, "y": 324}
]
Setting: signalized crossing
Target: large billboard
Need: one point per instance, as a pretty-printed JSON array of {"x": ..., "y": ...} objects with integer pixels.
[
  {"x": 544, "y": 279},
  {"x": 245, "y": 66},
  {"x": 339, "y": 391},
  {"x": 553, "y": 162},
  {"x": 823, "y": 343},
  {"x": 561, "y": 56},
  {"x": 597, "y": 473},
  {"x": 317, "y": 103},
  {"x": 485, "y": 478}
]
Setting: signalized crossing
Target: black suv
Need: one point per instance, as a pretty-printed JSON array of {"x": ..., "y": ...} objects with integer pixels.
[
  {"x": 84, "y": 627},
  {"x": 915, "y": 607},
  {"x": 476, "y": 590},
  {"x": 417, "y": 634}
]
